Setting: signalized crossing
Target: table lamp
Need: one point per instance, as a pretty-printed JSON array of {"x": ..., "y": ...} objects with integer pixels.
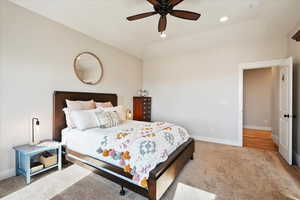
[{"x": 35, "y": 124}]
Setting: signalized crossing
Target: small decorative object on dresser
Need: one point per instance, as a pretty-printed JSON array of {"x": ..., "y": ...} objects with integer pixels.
[
  {"x": 143, "y": 93},
  {"x": 142, "y": 108},
  {"x": 29, "y": 159}
]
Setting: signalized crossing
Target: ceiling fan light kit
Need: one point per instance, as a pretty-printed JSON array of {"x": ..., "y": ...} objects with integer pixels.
[
  {"x": 163, "y": 34},
  {"x": 163, "y": 8}
]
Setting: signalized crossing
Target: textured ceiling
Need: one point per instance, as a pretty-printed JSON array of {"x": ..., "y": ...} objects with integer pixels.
[{"x": 105, "y": 20}]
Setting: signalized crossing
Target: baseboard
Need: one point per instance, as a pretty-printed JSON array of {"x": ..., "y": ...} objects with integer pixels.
[
  {"x": 296, "y": 158},
  {"x": 7, "y": 173},
  {"x": 216, "y": 140},
  {"x": 258, "y": 127},
  {"x": 275, "y": 139}
]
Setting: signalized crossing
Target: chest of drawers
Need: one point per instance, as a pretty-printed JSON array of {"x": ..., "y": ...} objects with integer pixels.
[{"x": 142, "y": 108}]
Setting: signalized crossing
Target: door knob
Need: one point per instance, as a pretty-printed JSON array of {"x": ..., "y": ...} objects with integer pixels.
[{"x": 289, "y": 116}]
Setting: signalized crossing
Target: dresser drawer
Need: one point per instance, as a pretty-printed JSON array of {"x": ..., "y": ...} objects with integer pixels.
[
  {"x": 147, "y": 118},
  {"x": 147, "y": 100},
  {"x": 147, "y": 103},
  {"x": 147, "y": 107}
]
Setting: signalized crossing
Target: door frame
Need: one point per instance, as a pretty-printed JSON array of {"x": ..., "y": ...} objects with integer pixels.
[{"x": 242, "y": 68}]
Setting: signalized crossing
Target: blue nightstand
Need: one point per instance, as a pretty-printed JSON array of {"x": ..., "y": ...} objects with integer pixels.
[{"x": 25, "y": 154}]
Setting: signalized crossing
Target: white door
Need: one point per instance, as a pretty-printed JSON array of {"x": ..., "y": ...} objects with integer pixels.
[{"x": 286, "y": 110}]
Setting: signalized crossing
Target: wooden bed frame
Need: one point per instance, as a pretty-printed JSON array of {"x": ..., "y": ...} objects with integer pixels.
[{"x": 159, "y": 179}]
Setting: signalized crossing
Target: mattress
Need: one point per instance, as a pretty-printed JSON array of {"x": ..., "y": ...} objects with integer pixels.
[
  {"x": 85, "y": 142},
  {"x": 136, "y": 147}
]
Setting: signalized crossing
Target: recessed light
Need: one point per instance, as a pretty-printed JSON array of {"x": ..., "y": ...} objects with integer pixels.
[{"x": 224, "y": 19}]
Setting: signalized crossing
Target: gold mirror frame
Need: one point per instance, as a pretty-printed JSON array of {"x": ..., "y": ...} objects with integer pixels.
[{"x": 76, "y": 72}]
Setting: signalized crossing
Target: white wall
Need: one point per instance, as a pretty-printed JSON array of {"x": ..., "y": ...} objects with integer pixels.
[
  {"x": 258, "y": 98},
  {"x": 199, "y": 90},
  {"x": 36, "y": 58}
]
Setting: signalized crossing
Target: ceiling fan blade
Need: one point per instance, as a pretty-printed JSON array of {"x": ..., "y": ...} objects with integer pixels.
[
  {"x": 140, "y": 16},
  {"x": 154, "y": 2},
  {"x": 175, "y": 2},
  {"x": 162, "y": 25},
  {"x": 185, "y": 14}
]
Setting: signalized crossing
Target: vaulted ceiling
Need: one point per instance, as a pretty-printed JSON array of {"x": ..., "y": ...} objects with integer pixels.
[{"x": 105, "y": 20}]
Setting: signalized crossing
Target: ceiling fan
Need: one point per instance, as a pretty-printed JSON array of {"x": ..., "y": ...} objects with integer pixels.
[{"x": 163, "y": 8}]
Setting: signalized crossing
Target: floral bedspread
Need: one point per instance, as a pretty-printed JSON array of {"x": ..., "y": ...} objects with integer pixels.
[{"x": 141, "y": 148}]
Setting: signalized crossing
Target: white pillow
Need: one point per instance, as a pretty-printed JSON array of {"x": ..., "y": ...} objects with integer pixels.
[
  {"x": 69, "y": 121},
  {"x": 104, "y": 104},
  {"x": 81, "y": 105},
  {"x": 121, "y": 110},
  {"x": 84, "y": 119}
]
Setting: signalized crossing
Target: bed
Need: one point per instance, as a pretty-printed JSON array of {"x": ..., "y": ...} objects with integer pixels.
[{"x": 160, "y": 178}]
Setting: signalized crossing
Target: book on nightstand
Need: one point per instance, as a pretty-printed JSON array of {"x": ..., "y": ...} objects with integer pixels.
[{"x": 36, "y": 166}]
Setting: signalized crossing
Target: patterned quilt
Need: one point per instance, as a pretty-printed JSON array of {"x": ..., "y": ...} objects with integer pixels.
[{"x": 141, "y": 148}]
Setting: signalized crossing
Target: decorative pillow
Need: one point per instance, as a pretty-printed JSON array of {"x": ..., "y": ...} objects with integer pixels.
[
  {"x": 69, "y": 121},
  {"x": 84, "y": 119},
  {"x": 104, "y": 104},
  {"x": 81, "y": 105},
  {"x": 121, "y": 110},
  {"x": 108, "y": 119}
]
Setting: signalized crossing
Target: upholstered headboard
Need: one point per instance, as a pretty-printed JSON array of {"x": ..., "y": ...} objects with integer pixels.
[{"x": 59, "y": 103}]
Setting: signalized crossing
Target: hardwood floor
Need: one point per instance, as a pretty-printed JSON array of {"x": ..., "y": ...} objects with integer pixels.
[{"x": 259, "y": 139}]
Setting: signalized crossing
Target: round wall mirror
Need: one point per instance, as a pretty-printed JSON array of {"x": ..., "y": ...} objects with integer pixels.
[{"x": 88, "y": 68}]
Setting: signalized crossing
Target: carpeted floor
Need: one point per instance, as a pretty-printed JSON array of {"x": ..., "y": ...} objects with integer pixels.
[{"x": 231, "y": 173}]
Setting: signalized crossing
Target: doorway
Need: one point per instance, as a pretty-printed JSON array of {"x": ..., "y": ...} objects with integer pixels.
[
  {"x": 285, "y": 103},
  {"x": 261, "y": 108}
]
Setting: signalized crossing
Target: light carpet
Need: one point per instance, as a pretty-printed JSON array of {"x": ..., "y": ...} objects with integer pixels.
[
  {"x": 228, "y": 173},
  {"x": 51, "y": 185}
]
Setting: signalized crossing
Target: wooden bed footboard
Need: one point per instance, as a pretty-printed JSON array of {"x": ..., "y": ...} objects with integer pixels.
[{"x": 160, "y": 178}]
